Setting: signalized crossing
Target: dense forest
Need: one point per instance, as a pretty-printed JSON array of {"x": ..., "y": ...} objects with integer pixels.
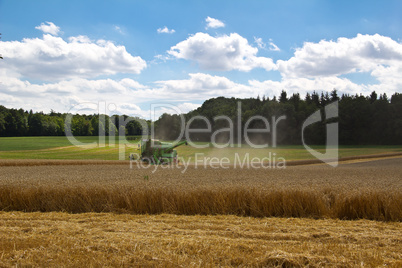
[
  {"x": 17, "y": 122},
  {"x": 363, "y": 120}
]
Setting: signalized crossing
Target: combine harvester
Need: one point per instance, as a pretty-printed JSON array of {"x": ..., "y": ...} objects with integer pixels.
[{"x": 157, "y": 152}]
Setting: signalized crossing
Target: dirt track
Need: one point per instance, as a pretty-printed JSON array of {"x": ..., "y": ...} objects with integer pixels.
[{"x": 376, "y": 162}]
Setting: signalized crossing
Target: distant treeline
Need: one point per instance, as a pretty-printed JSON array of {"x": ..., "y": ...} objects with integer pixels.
[
  {"x": 17, "y": 122},
  {"x": 363, "y": 120}
]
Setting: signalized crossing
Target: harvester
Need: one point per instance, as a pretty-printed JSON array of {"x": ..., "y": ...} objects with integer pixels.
[{"x": 157, "y": 152}]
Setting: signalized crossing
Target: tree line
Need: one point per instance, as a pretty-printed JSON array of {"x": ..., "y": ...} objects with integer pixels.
[
  {"x": 17, "y": 122},
  {"x": 363, "y": 120}
]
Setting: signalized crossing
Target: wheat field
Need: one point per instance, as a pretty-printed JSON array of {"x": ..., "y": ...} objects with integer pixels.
[
  {"x": 106, "y": 214},
  {"x": 370, "y": 190},
  {"x": 58, "y": 239}
]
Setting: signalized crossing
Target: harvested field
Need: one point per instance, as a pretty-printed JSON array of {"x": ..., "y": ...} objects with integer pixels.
[
  {"x": 108, "y": 240},
  {"x": 351, "y": 191}
]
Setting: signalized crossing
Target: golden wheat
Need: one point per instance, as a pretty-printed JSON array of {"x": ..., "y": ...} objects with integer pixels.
[
  {"x": 348, "y": 192},
  {"x": 110, "y": 240}
]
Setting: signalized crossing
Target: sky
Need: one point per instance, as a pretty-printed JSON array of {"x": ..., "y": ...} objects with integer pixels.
[{"x": 129, "y": 57}]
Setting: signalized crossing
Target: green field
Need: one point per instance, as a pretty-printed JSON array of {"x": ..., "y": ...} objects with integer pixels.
[
  {"x": 37, "y": 143},
  {"x": 61, "y": 148}
]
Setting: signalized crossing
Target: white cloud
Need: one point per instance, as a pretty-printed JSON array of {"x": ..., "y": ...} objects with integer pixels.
[
  {"x": 69, "y": 70},
  {"x": 303, "y": 85},
  {"x": 260, "y": 43},
  {"x": 9, "y": 99},
  {"x": 51, "y": 58},
  {"x": 202, "y": 86},
  {"x": 389, "y": 77},
  {"x": 50, "y": 28},
  {"x": 198, "y": 84},
  {"x": 118, "y": 29},
  {"x": 170, "y": 108},
  {"x": 365, "y": 53},
  {"x": 165, "y": 30},
  {"x": 130, "y": 109},
  {"x": 61, "y": 96},
  {"x": 127, "y": 95},
  {"x": 79, "y": 39},
  {"x": 187, "y": 107},
  {"x": 213, "y": 23},
  {"x": 223, "y": 53},
  {"x": 132, "y": 84},
  {"x": 161, "y": 58},
  {"x": 273, "y": 47},
  {"x": 134, "y": 99}
]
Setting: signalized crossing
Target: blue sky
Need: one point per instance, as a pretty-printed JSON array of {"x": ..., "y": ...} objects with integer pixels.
[{"x": 61, "y": 53}]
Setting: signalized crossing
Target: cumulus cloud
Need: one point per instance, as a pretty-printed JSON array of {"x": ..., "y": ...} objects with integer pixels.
[
  {"x": 303, "y": 85},
  {"x": 69, "y": 70},
  {"x": 213, "y": 23},
  {"x": 188, "y": 106},
  {"x": 11, "y": 100},
  {"x": 127, "y": 95},
  {"x": 180, "y": 108},
  {"x": 134, "y": 99},
  {"x": 389, "y": 77},
  {"x": 49, "y": 28},
  {"x": 165, "y": 30},
  {"x": 79, "y": 39},
  {"x": 75, "y": 86},
  {"x": 365, "y": 53},
  {"x": 53, "y": 58},
  {"x": 129, "y": 109},
  {"x": 63, "y": 95},
  {"x": 201, "y": 86},
  {"x": 198, "y": 83},
  {"x": 223, "y": 53}
]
